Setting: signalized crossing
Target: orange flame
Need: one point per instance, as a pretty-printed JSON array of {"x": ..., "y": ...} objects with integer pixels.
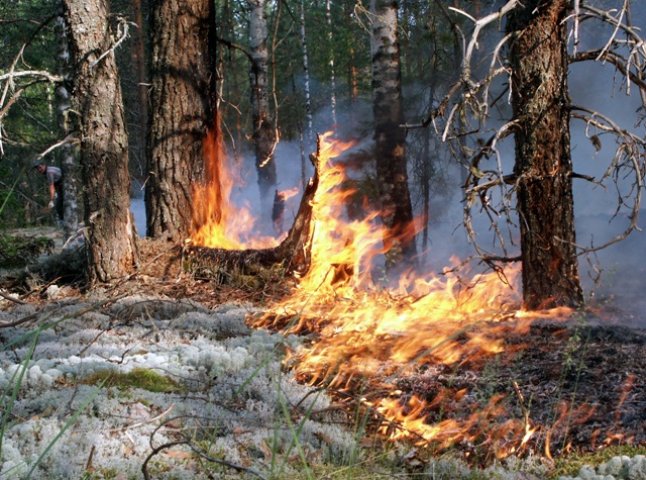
[
  {"x": 368, "y": 331},
  {"x": 289, "y": 193},
  {"x": 217, "y": 223}
]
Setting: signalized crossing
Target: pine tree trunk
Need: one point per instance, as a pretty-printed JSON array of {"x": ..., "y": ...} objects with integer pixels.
[
  {"x": 182, "y": 100},
  {"x": 69, "y": 161},
  {"x": 264, "y": 136},
  {"x": 543, "y": 163},
  {"x": 104, "y": 144},
  {"x": 139, "y": 61},
  {"x": 392, "y": 177}
]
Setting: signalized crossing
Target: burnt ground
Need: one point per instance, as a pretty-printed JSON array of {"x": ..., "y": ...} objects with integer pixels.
[{"x": 579, "y": 385}]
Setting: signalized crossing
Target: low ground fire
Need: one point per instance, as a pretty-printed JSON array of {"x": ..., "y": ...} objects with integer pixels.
[{"x": 438, "y": 360}]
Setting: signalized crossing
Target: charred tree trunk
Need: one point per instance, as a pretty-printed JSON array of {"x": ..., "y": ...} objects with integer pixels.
[
  {"x": 182, "y": 99},
  {"x": 104, "y": 144},
  {"x": 392, "y": 177},
  {"x": 543, "y": 162},
  {"x": 264, "y": 135},
  {"x": 294, "y": 253}
]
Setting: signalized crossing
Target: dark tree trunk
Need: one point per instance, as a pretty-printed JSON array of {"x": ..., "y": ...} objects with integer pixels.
[
  {"x": 543, "y": 162},
  {"x": 392, "y": 177},
  {"x": 264, "y": 135},
  {"x": 139, "y": 63},
  {"x": 104, "y": 144},
  {"x": 182, "y": 98}
]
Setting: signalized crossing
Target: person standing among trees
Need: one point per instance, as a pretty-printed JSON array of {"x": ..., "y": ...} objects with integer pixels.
[{"x": 54, "y": 177}]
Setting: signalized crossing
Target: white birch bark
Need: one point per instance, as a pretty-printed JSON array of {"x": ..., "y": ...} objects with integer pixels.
[
  {"x": 328, "y": 19},
  {"x": 263, "y": 125},
  {"x": 69, "y": 154},
  {"x": 306, "y": 74},
  {"x": 390, "y": 137}
]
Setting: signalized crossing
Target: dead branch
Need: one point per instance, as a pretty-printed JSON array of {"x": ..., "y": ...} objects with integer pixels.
[
  {"x": 619, "y": 62},
  {"x": 122, "y": 31},
  {"x": 467, "y": 103},
  {"x": 11, "y": 299}
]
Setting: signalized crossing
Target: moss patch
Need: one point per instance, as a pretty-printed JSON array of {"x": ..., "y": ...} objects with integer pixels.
[
  {"x": 19, "y": 251},
  {"x": 143, "y": 378}
]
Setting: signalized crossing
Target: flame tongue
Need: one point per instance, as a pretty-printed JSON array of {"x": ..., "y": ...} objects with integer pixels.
[
  {"x": 371, "y": 334},
  {"x": 217, "y": 222}
]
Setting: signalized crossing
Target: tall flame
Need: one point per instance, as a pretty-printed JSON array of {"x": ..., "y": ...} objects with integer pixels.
[{"x": 217, "y": 222}]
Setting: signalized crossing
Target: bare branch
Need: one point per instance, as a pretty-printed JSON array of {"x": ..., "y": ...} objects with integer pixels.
[
  {"x": 122, "y": 30},
  {"x": 616, "y": 60}
]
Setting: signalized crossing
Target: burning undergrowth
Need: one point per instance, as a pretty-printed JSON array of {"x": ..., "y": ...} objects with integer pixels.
[{"x": 450, "y": 361}]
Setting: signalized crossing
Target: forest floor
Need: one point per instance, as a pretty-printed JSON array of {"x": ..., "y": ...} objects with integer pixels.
[{"x": 159, "y": 376}]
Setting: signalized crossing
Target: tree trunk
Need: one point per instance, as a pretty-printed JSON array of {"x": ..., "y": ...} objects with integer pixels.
[
  {"x": 182, "y": 100},
  {"x": 264, "y": 135},
  {"x": 306, "y": 80},
  {"x": 139, "y": 61},
  {"x": 330, "y": 54},
  {"x": 69, "y": 160},
  {"x": 543, "y": 163},
  {"x": 111, "y": 244},
  {"x": 392, "y": 177}
]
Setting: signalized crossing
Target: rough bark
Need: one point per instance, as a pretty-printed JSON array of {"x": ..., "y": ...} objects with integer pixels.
[
  {"x": 543, "y": 162},
  {"x": 392, "y": 177},
  {"x": 182, "y": 106},
  {"x": 68, "y": 152},
  {"x": 264, "y": 135},
  {"x": 111, "y": 244}
]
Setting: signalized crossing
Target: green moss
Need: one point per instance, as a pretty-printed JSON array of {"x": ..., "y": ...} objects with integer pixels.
[
  {"x": 17, "y": 251},
  {"x": 571, "y": 464},
  {"x": 101, "y": 474},
  {"x": 143, "y": 378}
]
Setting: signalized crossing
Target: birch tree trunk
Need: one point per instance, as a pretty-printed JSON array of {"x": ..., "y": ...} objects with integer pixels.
[
  {"x": 182, "y": 99},
  {"x": 264, "y": 135},
  {"x": 392, "y": 177},
  {"x": 306, "y": 75},
  {"x": 111, "y": 244},
  {"x": 543, "y": 162},
  {"x": 330, "y": 39},
  {"x": 69, "y": 160}
]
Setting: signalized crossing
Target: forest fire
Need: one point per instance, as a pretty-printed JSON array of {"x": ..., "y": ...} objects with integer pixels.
[
  {"x": 378, "y": 342},
  {"x": 218, "y": 223}
]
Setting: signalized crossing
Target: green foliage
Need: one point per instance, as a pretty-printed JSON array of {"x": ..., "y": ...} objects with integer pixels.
[
  {"x": 17, "y": 251},
  {"x": 143, "y": 378},
  {"x": 28, "y": 43}
]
